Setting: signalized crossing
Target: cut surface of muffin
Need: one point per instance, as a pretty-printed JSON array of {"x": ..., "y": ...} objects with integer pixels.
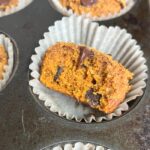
[
  {"x": 86, "y": 74},
  {"x": 96, "y": 8},
  {"x": 3, "y": 60}
]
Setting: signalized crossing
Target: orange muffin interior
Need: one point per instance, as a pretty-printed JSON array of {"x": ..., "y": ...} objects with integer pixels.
[
  {"x": 3, "y": 60},
  {"x": 7, "y": 4},
  {"x": 96, "y": 8},
  {"x": 86, "y": 74}
]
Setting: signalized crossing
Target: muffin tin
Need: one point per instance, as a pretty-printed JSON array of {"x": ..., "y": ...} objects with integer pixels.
[
  {"x": 111, "y": 40},
  {"x": 25, "y": 125}
]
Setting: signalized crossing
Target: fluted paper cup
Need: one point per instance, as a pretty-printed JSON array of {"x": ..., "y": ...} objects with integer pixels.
[
  {"x": 75, "y": 146},
  {"x": 5, "y": 41},
  {"x": 21, "y": 4},
  {"x": 58, "y": 6},
  {"x": 110, "y": 40}
]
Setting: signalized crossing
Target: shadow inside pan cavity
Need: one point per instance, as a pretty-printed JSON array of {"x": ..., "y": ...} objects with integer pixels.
[
  {"x": 21, "y": 4},
  {"x": 13, "y": 61}
]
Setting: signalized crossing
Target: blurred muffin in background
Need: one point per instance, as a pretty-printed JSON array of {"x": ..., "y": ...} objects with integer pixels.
[
  {"x": 6, "y": 59},
  {"x": 8, "y": 7},
  {"x": 95, "y": 8},
  {"x": 7, "y": 4},
  {"x": 3, "y": 60}
]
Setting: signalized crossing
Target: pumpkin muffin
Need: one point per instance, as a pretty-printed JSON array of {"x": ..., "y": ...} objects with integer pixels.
[
  {"x": 3, "y": 60},
  {"x": 96, "y": 8},
  {"x": 86, "y": 74},
  {"x": 7, "y": 4}
]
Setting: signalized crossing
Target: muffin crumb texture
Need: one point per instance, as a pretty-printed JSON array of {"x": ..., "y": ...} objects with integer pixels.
[
  {"x": 86, "y": 74},
  {"x": 7, "y": 4},
  {"x": 3, "y": 60},
  {"x": 96, "y": 8}
]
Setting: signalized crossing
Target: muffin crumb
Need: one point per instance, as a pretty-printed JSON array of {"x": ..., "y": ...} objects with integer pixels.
[{"x": 86, "y": 74}]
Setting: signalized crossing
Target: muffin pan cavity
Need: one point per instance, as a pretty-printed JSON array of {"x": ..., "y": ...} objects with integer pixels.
[
  {"x": 110, "y": 40},
  {"x": 27, "y": 122}
]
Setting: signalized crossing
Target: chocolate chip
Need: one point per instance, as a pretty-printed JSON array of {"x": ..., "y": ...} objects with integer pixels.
[
  {"x": 94, "y": 98},
  {"x": 94, "y": 81},
  {"x": 68, "y": 7},
  {"x": 109, "y": 54},
  {"x": 88, "y": 2},
  {"x": 121, "y": 3},
  {"x": 84, "y": 53},
  {"x": 58, "y": 73},
  {"x": 84, "y": 66}
]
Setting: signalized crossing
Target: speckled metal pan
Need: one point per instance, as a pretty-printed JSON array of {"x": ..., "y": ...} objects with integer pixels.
[{"x": 26, "y": 124}]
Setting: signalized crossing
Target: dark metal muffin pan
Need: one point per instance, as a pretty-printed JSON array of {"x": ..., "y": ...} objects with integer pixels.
[{"x": 24, "y": 125}]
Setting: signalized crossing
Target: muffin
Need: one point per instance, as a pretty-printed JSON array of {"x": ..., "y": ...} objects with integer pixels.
[
  {"x": 48, "y": 76},
  {"x": 7, "y": 4},
  {"x": 95, "y": 8},
  {"x": 86, "y": 74},
  {"x": 3, "y": 60},
  {"x": 8, "y": 7},
  {"x": 6, "y": 60}
]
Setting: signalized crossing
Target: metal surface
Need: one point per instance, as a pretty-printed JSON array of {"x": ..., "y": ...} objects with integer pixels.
[{"x": 26, "y": 126}]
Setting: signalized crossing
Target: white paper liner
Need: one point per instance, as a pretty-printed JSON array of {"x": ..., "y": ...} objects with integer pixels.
[
  {"x": 112, "y": 40},
  {"x": 22, "y": 4},
  {"x": 58, "y": 6},
  {"x": 5, "y": 41},
  {"x": 76, "y": 146}
]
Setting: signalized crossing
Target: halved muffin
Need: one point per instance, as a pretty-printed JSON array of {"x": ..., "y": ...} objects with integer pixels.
[{"x": 88, "y": 75}]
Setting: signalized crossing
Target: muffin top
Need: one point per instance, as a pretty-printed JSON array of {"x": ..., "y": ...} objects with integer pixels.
[
  {"x": 7, "y": 4},
  {"x": 3, "y": 60},
  {"x": 96, "y": 8}
]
